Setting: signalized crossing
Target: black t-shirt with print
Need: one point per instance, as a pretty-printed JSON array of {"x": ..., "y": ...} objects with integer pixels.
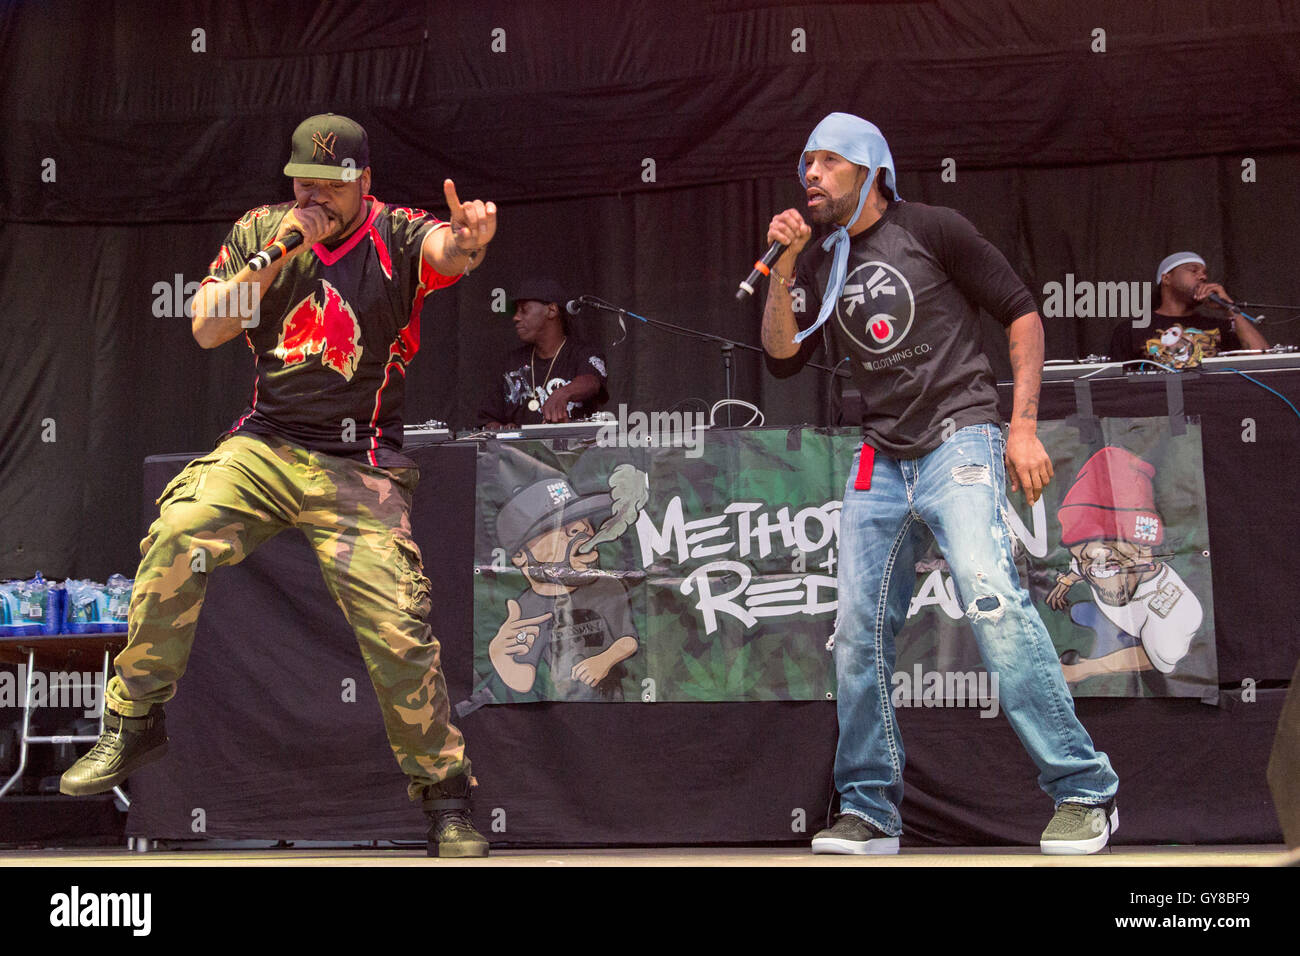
[
  {"x": 908, "y": 320},
  {"x": 523, "y": 375},
  {"x": 1128, "y": 343},
  {"x": 335, "y": 332}
]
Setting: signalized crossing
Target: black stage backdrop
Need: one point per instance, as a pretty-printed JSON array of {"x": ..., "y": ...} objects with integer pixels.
[{"x": 135, "y": 133}]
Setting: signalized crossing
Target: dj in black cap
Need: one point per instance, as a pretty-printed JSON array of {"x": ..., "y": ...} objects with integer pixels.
[{"x": 554, "y": 376}]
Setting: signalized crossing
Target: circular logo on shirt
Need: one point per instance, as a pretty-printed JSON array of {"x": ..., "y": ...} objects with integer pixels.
[{"x": 876, "y": 307}]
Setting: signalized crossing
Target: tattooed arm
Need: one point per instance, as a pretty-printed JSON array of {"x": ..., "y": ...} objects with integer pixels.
[
  {"x": 461, "y": 248},
  {"x": 779, "y": 325},
  {"x": 1028, "y": 465}
]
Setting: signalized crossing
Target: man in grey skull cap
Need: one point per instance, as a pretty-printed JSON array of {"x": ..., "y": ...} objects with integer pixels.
[{"x": 1187, "y": 325}]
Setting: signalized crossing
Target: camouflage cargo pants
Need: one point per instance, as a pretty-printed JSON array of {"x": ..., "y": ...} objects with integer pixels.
[{"x": 357, "y": 518}]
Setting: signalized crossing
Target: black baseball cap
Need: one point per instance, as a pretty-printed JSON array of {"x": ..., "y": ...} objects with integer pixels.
[
  {"x": 538, "y": 290},
  {"x": 328, "y": 146}
]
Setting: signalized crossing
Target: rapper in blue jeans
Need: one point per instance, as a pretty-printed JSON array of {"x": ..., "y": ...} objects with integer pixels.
[
  {"x": 957, "y": 491},
  {"x": 899, "y": 288}
]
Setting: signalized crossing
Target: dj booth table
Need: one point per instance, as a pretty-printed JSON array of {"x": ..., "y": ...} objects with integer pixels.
[{"x": 266, "y": 744}]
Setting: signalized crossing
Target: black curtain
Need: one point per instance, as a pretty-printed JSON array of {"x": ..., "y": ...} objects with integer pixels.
[{"x": 128, "y": 152}]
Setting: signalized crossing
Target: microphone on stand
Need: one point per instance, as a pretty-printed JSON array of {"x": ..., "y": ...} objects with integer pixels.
[
  {"x": 761, "y": 268},
  {"x": 291, "y": 240}
]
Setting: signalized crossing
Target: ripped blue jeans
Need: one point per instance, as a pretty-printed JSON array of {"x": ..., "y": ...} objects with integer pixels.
[{"x": 958, "y": 491}]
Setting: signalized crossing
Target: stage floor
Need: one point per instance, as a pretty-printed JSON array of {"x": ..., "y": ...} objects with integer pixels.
[{"x": 1175, "y": 856}]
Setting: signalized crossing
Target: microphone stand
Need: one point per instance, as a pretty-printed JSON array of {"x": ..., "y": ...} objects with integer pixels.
[
  {"x": 726, "y": 345},
  {"x": 1269, "y": 305}
]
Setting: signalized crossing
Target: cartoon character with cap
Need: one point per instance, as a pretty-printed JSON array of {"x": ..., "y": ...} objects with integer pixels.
[
  {"x": 1144, "y": 615},
  {"x": 1181, "y": 336},
  {"x": 574, "y": 622}
]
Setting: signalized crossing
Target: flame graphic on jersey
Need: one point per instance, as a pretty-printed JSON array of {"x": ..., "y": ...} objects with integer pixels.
[
  {"x": 222, "y": 258},
  {"x": 330, "y": 329}
]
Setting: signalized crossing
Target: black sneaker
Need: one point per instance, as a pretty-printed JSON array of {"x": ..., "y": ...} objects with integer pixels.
[
  {"x": 852, "y": 834},
  {"x": 451, "y": 831},
  {"x": 125, "y": 745}
]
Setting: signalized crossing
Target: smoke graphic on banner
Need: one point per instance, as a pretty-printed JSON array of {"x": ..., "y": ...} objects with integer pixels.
[{"x": 645, "y": 574}]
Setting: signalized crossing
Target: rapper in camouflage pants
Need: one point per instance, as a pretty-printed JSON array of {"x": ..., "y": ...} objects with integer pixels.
[{"x": 357, "y": 518}]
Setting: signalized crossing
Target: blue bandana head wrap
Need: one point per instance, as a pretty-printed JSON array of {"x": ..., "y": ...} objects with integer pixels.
[{"x": 859, "y": 142}]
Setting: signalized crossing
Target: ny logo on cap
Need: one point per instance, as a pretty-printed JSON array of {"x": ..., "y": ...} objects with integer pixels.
[{"x": 323, "y": 143}]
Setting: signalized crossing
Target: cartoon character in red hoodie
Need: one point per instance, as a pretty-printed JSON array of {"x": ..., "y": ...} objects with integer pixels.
[{"x": 1143, "y": 614}]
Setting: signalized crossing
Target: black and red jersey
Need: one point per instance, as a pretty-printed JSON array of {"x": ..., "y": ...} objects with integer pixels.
[{"x": 335, "y": 331}]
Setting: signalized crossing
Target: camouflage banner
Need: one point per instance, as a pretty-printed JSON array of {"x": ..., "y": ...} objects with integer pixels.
[{"x": 707, "y": 573}]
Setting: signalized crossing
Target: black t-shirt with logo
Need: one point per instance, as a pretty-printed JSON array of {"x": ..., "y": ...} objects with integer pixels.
[
  {"x": 908, "y": 320},
  {"x": 523, "y": 376},
  {"x": 336, "y": 331}
]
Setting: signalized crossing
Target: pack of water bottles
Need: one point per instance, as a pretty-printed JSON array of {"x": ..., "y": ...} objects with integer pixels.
[
  {"x": 30, "y": 607},
  {"x": 93, "y": 608},
  {"x": 37, "y": 606}
]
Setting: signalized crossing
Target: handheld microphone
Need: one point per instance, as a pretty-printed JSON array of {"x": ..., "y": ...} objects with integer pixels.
[
  {"x": 761, "y": 268},
  {"x": 1215, "y": 298},
  {"x": 291, "y": 240}
]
